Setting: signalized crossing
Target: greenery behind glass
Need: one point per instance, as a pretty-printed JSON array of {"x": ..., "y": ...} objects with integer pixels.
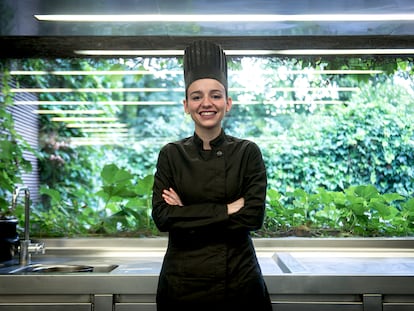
[{"x": 335, "y": 169}]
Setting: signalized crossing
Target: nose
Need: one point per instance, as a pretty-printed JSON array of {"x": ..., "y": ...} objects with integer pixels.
[{"x": 206, "y": 102}]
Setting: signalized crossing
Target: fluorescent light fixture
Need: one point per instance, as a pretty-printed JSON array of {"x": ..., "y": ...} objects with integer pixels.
[
  {"x": 82, "y": 103},
  {"x": 60, "y": 111},
  {"x": 124, "y": 90},
  {"x": 346, "y": 52},
  {"x": 90, "y": 72},
  {"x": 83, "y": 119},
  {"x": 173, "y": 72},
  {"x": 301, "y": 89},
  {"x": 95, "y": 141},
  {"x": 166, "y": 52},
  {"x": 164, "y": 103},
  {"x": 249, "y": 52},
  {"x": 334, "y": 72},
  {"x": 308, "y": 102},
  {"x": 95, "y": 125},
  {"x": 49, "y": 103},
  {"x": 222, "y": 18},
  {"x": 130, "y": 52},
  {"x": 110, "y": 135},
  {"x": 105, "y": 130},
  {"x": 93, "y": 90}
]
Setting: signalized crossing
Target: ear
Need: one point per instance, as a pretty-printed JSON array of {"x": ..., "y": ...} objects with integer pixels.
[
  {"x": 185, "y": 106},
  {"x": 229, "y": 104}
]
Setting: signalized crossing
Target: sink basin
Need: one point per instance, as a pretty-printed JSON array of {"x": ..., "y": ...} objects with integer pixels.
[{"x": 62, "y": 268}]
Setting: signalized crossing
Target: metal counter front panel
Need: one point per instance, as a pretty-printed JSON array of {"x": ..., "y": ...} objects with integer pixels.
[{"x": 323, "y": 276}]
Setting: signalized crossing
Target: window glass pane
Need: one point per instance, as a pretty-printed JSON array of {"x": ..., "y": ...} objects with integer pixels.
[{"x": 336, "y": 135}]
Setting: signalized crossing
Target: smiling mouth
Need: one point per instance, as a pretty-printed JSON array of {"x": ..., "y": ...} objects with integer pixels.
[{"x": 207, "y": 113}]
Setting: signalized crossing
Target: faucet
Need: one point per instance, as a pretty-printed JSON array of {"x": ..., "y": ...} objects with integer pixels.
[{"x": 26, "y": 247}]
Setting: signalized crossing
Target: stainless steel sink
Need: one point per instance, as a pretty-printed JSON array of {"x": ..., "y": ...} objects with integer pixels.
[{"x": 63, "y": 268}]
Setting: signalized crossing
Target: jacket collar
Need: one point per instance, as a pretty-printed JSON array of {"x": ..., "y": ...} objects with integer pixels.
[{"x": 216, "y": 142}]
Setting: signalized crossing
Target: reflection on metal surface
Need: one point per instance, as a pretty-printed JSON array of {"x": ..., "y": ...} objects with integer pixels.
[
  {"x": 63, "y": 268},
  {"x": 355, "y": 263},
  {"x": 300, "y": 274},
  {"x": 392, "y": 257}
]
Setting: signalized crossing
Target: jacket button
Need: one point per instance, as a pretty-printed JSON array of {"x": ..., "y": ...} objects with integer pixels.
[{"x": 219, "y": 153}]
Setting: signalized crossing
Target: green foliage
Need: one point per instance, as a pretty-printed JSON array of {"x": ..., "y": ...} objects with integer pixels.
[
  {"x": 129, "y": 203},
  {"x": 355, "y": 211},
  {"x": 368, "y": 141},
  {"x": 126, "y": 208},
  {"x": 317, "y": 156},
  {"x": 64, "y": 217},
  {"x": 12, "y": 147}
]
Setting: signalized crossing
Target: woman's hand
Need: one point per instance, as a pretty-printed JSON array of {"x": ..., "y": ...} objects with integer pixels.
[
  {"x": 171, "y": 197},
  {"x": 235, "y": 206}
]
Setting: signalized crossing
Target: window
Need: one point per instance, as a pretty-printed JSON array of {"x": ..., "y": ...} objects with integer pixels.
[{"x": 336, "y": 134}]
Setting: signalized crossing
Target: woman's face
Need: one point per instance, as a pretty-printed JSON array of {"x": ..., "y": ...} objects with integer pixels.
[{"x": 207, "y": 103}]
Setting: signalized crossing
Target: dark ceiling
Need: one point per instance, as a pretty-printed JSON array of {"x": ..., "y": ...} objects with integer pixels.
[{"x": 21, "y": 35}]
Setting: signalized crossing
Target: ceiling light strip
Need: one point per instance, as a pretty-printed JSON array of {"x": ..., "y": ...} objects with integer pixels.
[
  {"x": 166, "y": 52},
  {"x": 290, "y": 102},
  {"x": 92, "y": 72},
  {"x": 222, "y": 18},
  {"x": 105, "y": 130},
  {"x": 97, "y": 141},
  {"x": 346, "y": 52},
  {"x": 96, "y": 125},
  {"x": 61, "y": 111},
  {"x": 130, "y": 52},
  {"x": 250, "y": 52},
  {"x": 93, "y": 90},
  {"x": 109, "y": 135},
  {"x": 82, "y": 103},
  {"x": 326, "y": 72},
  {"x": 180, "y": 72},
  {"x": 235, "y": 102},
  {"x": 301, "y": 89},
  {"x": 83, "y": 119},
  {"x": 309, "y": 102},
  {"x": 125, "y": 90}
]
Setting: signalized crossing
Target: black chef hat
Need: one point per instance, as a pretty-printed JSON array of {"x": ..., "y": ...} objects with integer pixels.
[{"x": 204, "y": 59}]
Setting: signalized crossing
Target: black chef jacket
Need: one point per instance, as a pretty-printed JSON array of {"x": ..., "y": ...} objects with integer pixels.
[{"x": 210, "y": 261}]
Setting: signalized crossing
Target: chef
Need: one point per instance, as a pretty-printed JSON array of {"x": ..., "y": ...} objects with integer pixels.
[{"x": 209, "y": 194}]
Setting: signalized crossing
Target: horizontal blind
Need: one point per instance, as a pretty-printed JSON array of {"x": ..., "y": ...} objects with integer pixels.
[{"x": 27, "y": 125}]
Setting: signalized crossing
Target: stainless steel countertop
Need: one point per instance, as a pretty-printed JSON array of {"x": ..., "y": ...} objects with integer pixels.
[{"x": 301, "y": 265}]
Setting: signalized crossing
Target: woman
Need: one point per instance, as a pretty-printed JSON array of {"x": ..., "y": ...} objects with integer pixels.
[{"x": 209, "y": 193}]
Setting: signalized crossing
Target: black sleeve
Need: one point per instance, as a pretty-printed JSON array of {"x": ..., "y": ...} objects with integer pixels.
[
  {"x": 254, "y": 186},
  {"x": 169, "y": 217}
]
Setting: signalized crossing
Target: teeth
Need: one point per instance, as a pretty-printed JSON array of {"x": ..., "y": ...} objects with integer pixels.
[{"x": 207, "y": 113}]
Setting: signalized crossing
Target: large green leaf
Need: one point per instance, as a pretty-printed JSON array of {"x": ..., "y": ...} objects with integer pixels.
[
  {"x": 111, "y": 174},
  {"x": 366, "y": 191},
  {"x": 144, "y": 186},
  {"x": 391, "y": 197},
  {"x": 379, "y": 205},
  {"x": 52, "y": 193}
]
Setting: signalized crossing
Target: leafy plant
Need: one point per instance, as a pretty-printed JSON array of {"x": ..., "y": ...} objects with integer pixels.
[
  {"x": 313, "y": 153},
  {"x": 356, "y": 211},
  {"x": 12, "y": 147},
  {"x": 125, "y": 208},
  {"x": 127, "y": 204},
  {"x": 64, "y": 218}
]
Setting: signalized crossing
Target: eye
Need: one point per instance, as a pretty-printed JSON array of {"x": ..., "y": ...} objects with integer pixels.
[
  {"x": 195, "y": 97},
  {"x": 217, "y": 96}
]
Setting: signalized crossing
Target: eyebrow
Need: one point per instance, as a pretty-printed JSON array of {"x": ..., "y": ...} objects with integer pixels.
[{"x": 211, "y": 91}]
